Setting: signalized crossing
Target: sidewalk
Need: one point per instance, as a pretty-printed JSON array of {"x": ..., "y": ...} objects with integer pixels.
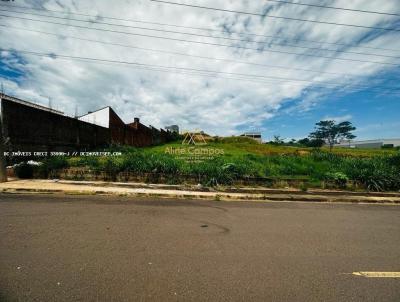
[{"x": 176, "y": 191}]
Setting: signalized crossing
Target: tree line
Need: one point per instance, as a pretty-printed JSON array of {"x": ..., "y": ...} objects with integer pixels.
[{"x": 326, "y": 132}]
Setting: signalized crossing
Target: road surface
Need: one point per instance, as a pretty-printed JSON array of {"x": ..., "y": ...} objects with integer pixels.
[{"x": 104, "y": 248}]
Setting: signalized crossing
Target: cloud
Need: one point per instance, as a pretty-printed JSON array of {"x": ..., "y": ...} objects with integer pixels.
[
  {"x": 219, "y": 105},
  {"x": 369, "y": 131},
  {"x": 338, "y": 119}
]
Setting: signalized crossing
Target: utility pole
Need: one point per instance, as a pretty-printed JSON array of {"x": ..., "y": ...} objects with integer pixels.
[{"x": 3, "y": 169}]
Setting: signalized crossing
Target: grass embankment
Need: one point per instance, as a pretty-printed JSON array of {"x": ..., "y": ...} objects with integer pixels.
[
  {"x": 377, "y": 170},
  {"x": 242, "y": 146}
]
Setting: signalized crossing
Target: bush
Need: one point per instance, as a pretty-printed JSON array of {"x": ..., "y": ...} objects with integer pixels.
[
  {"x": 163, "y": 163},
  {"x": 92, "y": 162},
  {"x": 332, "y": 158},
  {"x": 51, "y": 164},
  {"x": 339, "y": 178},
  {"x": 23, "y": 170},
  {"x": 218, "y": 171},
  {"x": 377, "y": 173},
  {"x": 55, "y": 163},
  {"x": 156, "y": 163}
]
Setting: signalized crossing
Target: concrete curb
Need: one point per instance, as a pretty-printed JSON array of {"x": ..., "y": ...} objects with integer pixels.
[
  {"x": 245, "y": 190},
  {"x": 33, "y": 187}
]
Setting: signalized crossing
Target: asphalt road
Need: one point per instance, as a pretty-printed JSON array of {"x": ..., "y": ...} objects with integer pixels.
[{"x": 102, "y": 248}]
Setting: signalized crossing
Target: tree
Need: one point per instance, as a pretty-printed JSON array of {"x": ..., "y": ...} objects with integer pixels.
[
  {"x": 331, "y": 132},
  {"x": 277, "y": 140},
  {"x": 316, "y": 143},
  {"x": 313, "y": 143}
]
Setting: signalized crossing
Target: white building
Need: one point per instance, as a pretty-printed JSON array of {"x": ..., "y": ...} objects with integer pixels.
[
  {"x": 99, "y": 117},
  {"x": 254, "y": 135},
  {"x": 369, "y": 144}
]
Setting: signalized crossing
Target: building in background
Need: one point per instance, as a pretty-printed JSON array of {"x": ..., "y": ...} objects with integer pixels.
[
  {"x": 133, "y": 134},
  {"x": 173, "y": 129},
  {"x": 32, "y": 127},
  {"x": 254, "y": 135},
  {"x": 370, "y": 144}
]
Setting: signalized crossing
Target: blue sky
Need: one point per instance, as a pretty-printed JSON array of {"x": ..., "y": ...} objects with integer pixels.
[
  {"x": 374, "y": 113},
  {"x": 375, "y": 116},
  {"x": 288, "y": 87}
]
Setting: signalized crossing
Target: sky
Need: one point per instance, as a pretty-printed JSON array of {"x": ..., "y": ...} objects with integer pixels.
[{"x": 237, "y": 73}]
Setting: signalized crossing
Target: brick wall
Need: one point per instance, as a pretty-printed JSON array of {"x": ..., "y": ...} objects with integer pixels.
[{"x": 32, "y": 129}]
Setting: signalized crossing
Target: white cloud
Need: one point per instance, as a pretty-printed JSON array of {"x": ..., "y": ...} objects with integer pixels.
[
  {"x": 217, "y": 105},
  {"x": 338, "y": 119},
  {"x": 369, "y": 131}
]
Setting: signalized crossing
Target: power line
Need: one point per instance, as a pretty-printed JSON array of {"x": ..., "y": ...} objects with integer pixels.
[
  {"x": 334, "y": 7},
  {"x": 208, "y": 36},
  {"x": 176, "y": 53},
  {"x": 275, "y": 17},
  {"x": 159, "y": 69},
  {"x": 164, "y": 68},
  {"x": 196, "y": 28},
  {"x": 202, "y": 42}
]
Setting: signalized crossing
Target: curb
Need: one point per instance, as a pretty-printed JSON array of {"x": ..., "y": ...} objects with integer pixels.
[
  {"x": 228, "y": 190},
  {"x": 217, "y": 196}
]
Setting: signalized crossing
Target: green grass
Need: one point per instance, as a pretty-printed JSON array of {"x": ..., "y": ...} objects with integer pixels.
[
  {"x": 242, "y": 145},
  {"x": 244, "y": 158}
]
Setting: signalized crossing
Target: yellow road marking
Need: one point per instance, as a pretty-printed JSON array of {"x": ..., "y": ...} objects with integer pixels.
[{"x": 378, "y": 274}]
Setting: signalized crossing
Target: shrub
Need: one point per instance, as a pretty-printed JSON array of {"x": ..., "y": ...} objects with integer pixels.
[
  {"x": 55, "y": 163},
  {"x": 217, "y": 171},
  {"x": 303, "y": 188},
  {"x": 111, "y": 167},
  {"x": 92, "y": 162},
  {"x": 377, "y": 173},
  {"x": 163, "y": 163},
  {"x": 23, "y": 170},
  {"x": 134, "y": 162},
  {"x": 51, "y": 164},
  {"x": 339, "y": 178},
  {"x": 332, "y": 158},
  {"x": 150, "y": 162},
  {"x": 393, "y": 160}
]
